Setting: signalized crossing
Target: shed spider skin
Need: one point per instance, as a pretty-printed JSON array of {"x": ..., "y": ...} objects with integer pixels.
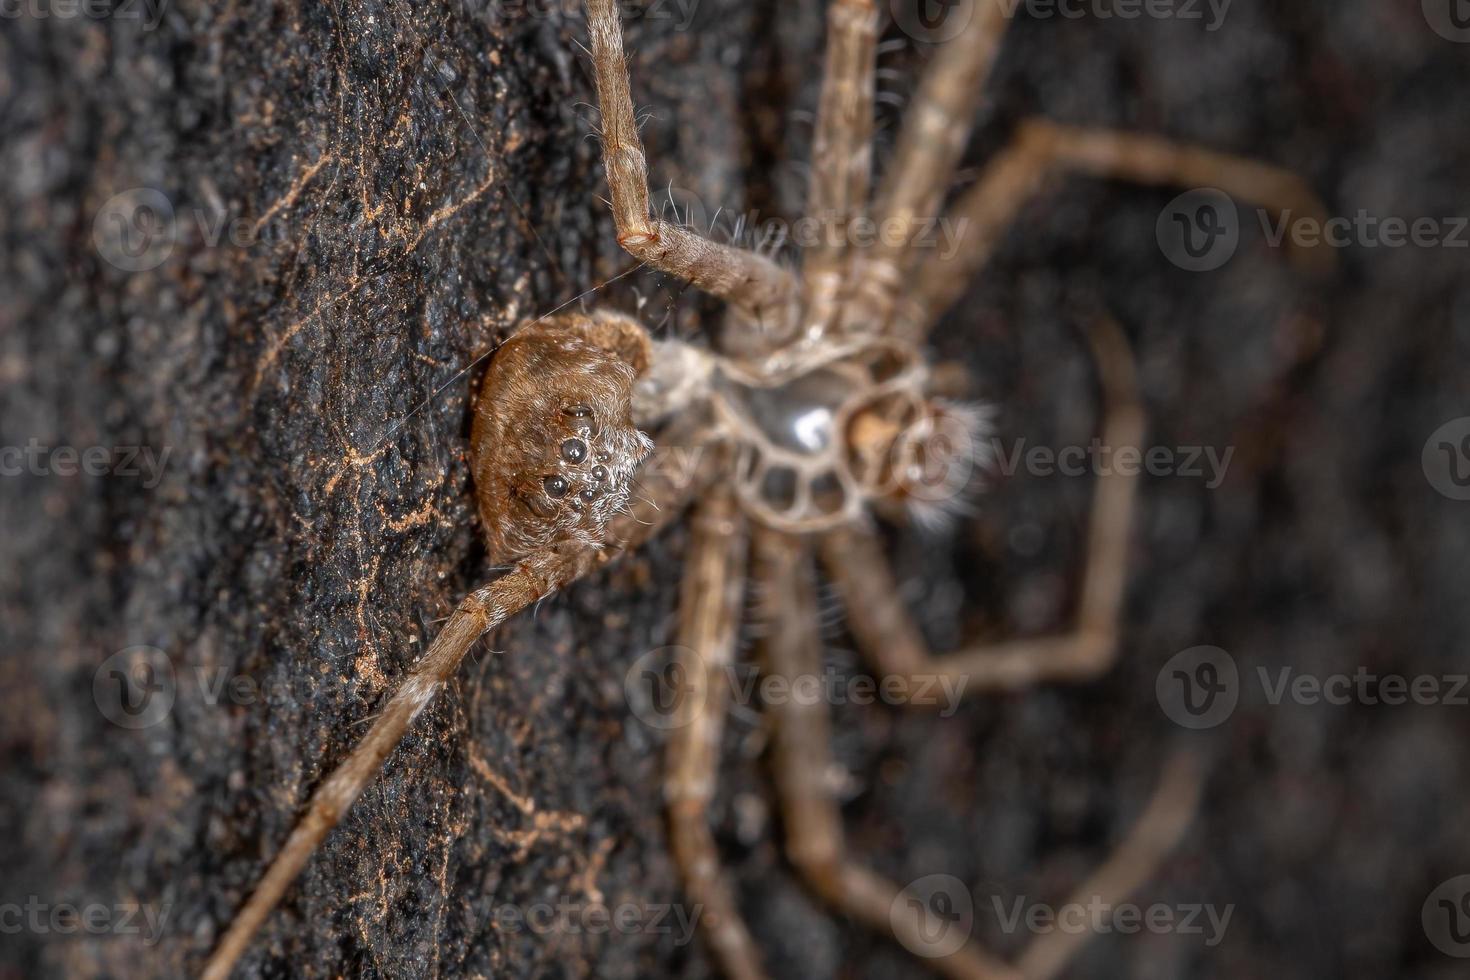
[{"x": 816, "y": 411}]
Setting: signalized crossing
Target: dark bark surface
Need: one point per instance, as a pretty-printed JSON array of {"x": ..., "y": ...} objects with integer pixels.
[{"x": 365, "y": 197}]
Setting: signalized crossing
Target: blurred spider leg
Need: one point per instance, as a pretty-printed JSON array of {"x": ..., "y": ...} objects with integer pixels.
[
  {"x": 936, "y": 128},
  {"x": 842, "y": 153},
  {"x": 887, "y": 634},
  {"x": 484, "y": 609},
  {"x": 1137, "y": 859},
  {"x": 709, "y": 619},
  {"x": 802, "y": 762},
  {"x": 760, "y": 288},
  {"x": 1042, "y": 149}
]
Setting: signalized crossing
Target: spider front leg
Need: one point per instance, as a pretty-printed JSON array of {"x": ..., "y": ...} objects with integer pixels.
[
  {"x": 759, "y": 288},
  {"x": 881, "y": 624},
  {"x": 1044, "y": 149},
  {"x": 936, "y": 128},
  {"x": 842, "y": 153},
  {"x": 802, "y": 760}
]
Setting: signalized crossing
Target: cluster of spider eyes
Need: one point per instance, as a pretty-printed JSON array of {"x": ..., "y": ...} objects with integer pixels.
[{"x": 575, "y": 450}]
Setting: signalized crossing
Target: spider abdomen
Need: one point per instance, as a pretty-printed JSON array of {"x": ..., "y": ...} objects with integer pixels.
[{"x": 808, "y": 432}]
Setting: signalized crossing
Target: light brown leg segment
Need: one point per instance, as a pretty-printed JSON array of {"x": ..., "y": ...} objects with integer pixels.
[
  {"x": 1157, "y": 832},
  {"x": 482, "y": 610},
  {"x": 801, "y": 760},
  {"x": 1045, "y": 149},
  {"x": 757, "y": 286},
  {"x": 709, "y": 620},
  {"x": 842, "y": 152},
  {"x": 813, "y": 823},
  {"x": 936, "y": 129},
  {"x": 886, "y": 632}
]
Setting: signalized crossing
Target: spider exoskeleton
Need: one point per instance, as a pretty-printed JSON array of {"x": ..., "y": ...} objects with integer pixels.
[{"x": 814, "y": 412}]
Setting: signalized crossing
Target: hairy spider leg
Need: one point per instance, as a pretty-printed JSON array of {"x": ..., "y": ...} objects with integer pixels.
[{"x": 762, "y": 290}]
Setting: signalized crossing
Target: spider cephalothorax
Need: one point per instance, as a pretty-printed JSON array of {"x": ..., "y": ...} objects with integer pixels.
[
  {"x": 554, "y": 441},
  {"x": 821, "y": 413}
]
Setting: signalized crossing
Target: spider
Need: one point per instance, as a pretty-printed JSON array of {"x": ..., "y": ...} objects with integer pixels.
[{"x": 815, "y": 412}]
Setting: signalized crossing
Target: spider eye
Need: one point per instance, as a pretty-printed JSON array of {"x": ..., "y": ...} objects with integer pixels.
[
  {"x": 588, "y": 495},
  {"x": 574, "y": 450},
  {"x": 599, "y": 472},
  {"x": 577, "y": 411},
  {"x": 556, "y": 486}
]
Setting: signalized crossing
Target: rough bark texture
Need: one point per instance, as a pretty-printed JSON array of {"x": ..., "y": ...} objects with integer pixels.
[{"x": 368, "y": 196}]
